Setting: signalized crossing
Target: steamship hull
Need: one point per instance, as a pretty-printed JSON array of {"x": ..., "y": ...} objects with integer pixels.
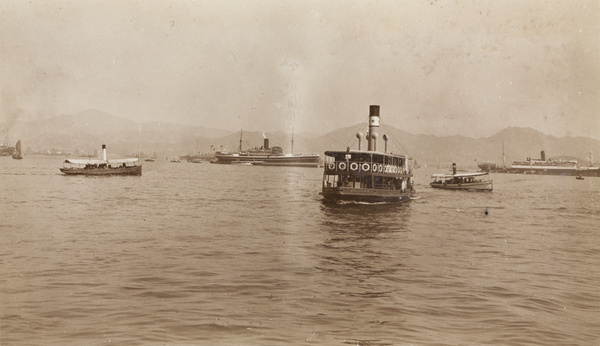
[
  {"x": 266, "y": 160},
  {"x": 134, "y": 170},
  {"x": 586, "y": 172},
  {"x": 484, "y": 186}
]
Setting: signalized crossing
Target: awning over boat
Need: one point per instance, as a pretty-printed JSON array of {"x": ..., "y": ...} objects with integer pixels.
[
  {"x": 459, "y": 175},
  {"x": 97, "y": 162},
  {"x": 358, "y": 153}
]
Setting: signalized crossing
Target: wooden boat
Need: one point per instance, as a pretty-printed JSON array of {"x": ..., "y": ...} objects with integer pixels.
[
  {"x": 367, "y": 176},
  {"x": 579, "y": 177},
  {"x": 151, "y": 159},
  {"x": 127, "y": 166},
  {"x": 477, "y": 181}
]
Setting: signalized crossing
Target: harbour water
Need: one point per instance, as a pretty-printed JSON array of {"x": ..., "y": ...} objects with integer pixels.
[{"x": 201, "y": 254}]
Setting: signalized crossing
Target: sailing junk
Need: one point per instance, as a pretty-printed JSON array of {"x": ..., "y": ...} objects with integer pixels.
[{"x": 18, "y": 155}]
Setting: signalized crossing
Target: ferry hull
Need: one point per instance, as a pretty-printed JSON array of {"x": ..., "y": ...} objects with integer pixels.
[
  {"x": 136, "y": 170},
  {"x": 364, "y": 195}
]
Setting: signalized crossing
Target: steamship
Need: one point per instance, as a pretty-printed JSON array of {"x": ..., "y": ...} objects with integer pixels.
[
  {"x": 551, "y": 167},
  {"x": 127, "y": 166},
  {"x": 267, "y": 156},
  {"x": 367, "y": 176}
]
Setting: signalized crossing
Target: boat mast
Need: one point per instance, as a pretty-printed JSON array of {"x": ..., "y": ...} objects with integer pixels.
[
  {"x": 241, "y": 140},
  {"x": 590, "y": 152},
  {"x": 503, "y": 160},
  {"x": 292, "y": 141}
]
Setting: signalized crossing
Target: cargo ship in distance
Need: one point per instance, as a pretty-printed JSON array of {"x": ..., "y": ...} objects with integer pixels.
[
  {"x": 549, "y": 167},
  {"x": 367, "y": 176},
  {"x": 266, "y": 156}
]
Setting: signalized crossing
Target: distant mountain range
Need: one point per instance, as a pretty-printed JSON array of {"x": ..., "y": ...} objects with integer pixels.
[{"x": 85, "y": 132}]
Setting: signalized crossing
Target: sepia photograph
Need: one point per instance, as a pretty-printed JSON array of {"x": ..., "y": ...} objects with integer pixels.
[{"x": 300, "y": 172}]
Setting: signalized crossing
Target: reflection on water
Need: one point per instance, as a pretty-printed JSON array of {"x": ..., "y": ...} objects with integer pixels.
[{"x": 198, "y": 254}]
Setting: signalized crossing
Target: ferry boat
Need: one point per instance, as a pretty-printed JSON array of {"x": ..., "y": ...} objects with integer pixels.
[
  {"x": 551, "y": 167},
  {"x": 478, "y": 181},
  {"x": 127, "y": 166},
  {"x": 267, "y": 156},
  {"x": 367, "y": 176}
]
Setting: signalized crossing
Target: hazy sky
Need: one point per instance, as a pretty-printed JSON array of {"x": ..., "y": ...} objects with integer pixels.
[{"x": 435, "y": 67}]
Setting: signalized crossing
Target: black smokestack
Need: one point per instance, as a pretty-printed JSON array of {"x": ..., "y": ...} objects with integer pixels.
[
  {"x": 453, "y": 168},
  {"x": 543, "y": 155},
  {"x": 266, "y": 145}
]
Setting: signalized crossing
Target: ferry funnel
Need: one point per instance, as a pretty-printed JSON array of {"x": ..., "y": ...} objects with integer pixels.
[
  {"x": 373, "y": 126},
  {"x": 385, "y": 139},
  {"x": 453, "y": 168},
  {"x": 266, "y": 143},
  {"x": 104, "y": 152},
  {"x": 543, "y": 155},
  {"x": 359, "y": 135}
]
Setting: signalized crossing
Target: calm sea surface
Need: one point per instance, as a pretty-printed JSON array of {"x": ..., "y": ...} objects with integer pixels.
[{"x": 206, "y": 254}]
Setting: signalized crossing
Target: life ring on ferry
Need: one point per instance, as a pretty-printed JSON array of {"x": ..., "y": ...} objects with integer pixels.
[
  {"x": 365, "y": 167},
  {"x": 342, "y": 166},
  {"x": 331, "y": 166},
  {"x": 354, "y": 166},
  {"x": 380, "y": 168}
]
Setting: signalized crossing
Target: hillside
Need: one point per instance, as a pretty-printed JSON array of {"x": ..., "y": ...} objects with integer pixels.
[
  {"x": 519, "y": 143},
  {"x": 85, "y": 132}
]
